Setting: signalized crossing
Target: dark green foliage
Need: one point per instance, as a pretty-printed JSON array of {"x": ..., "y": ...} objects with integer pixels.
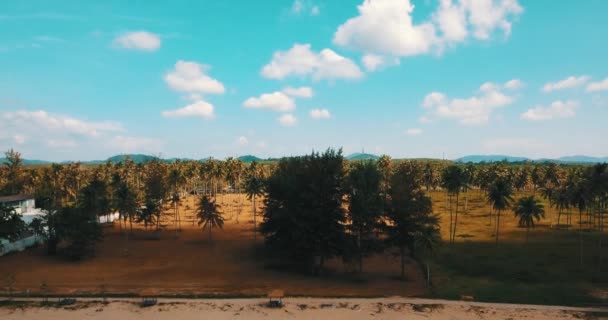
[
  {"x": 94, "y": 199},
  {"x": 304, "y": 217},
  {"x": 365, "y": 207},
  {"x": 73, "y": 226},
  {"x": 413, "y": 226},
  {"x": 209, "y": 216},
  {"x": 11, "y": 225},
  {"x": 528, "y": 209}
]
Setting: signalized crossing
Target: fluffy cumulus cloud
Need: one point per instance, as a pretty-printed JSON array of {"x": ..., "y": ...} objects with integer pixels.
[
  {"x": 486, "y": 16},
  {"x": 301, "y": 61},
  {"x": 277, "y": 101},
  {"x": 598, "y": 86},
  {"x": 474, "y": 110},
  {"x": 320, "y": 114},
  {"x": 413, "y": 132},
  {"x": 198, "y": 108},
  {"x": 387, "y": 27},
  {"x": 52, "y": 136},
  {"x": 557, "y": 109},
  {"x": 568, "y": 83},
  {"x": 43, "y": 121},
  {"x": 288, "y": 120},
  {"x": 301, "y": 92},
  {"x": 138, "y": 40},
  {"x": 188, "y": 76}
]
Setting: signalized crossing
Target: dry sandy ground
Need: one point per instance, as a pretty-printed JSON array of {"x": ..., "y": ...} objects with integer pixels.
[
  {"x": 189, "y": 264},
  {"x": 300, "y": 308}
]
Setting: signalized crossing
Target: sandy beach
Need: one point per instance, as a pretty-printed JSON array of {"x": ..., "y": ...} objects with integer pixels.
[{"x": 294, "y": 308}]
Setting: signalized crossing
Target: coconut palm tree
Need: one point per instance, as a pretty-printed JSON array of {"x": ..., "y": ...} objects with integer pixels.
[
  {"x": 528, "y": 209},
  {"x": 209, "y": 215},
  {"x": 254, "y": 187},
  {"x": 453, "y": 180},
  {"x": 500, "y": 196}
]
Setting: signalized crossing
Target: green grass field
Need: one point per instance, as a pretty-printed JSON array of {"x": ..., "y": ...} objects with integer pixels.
[{"x": 545, "y": 270}]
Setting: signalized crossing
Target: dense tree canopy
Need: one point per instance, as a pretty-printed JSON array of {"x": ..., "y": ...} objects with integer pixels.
[{"x": 304, "y": 215}]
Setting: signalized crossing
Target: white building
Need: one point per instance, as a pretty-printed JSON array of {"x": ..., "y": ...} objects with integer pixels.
[{"x": 26, "y": 207}]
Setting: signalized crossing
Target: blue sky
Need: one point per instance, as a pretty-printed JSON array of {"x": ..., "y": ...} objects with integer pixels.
[{"x": 86, "y": 80}]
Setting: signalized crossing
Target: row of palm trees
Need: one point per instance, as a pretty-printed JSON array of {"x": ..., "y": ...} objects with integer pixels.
[{"x": 567, "y": 188}]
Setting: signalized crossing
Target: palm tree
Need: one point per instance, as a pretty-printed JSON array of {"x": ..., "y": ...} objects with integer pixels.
[
  {"x": 209, "y": 216},
  {"x": 500, "y": 196},
  {"x": 453, "y": 179},
  {"x": 528, "y": 209},
  {"x": 254, "y": 187}
]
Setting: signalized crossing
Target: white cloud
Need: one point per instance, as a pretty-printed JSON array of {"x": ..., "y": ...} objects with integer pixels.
[
  {"x": 42, "y": 120},
  {"x": 287, "y": 120},
  {"x": 598, "y": 86},
  {"x": 451, "y": 21},
  {"x": 413, "y": 132},
  {"x": 140, "y": 40},
  {"x": 320, "y": 114},
  {"x": 474, "y": 110},
  {"x": 199, "y": 108},
  {"x": 557, "y": 109},
  {"x": 485, "y": 16},
  {"x": 374, "y": 62},
  {"x": 242, "y": 141},
  {"x": 570, "y": 82},
  {"x": 301, "y": 61},
  {"x": 301, "y": 92},
  {"x": 277, "y": 101},
  {"x": 191, "y": 77},
  {"x": 514, "y": 84},
  {"x": 315, "y": 11},
  {"x": 386, "y": 27}
]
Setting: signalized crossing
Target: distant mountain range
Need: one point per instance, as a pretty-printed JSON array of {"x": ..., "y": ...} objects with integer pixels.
[
  {"x": 500, "y": 158},
  {"x": 143, "y": 158}
]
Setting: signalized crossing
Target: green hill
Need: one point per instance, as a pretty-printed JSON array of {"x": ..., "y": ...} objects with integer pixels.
[
  {"x": 249, "y": 158},
  {"x": 362, "y": 156}
]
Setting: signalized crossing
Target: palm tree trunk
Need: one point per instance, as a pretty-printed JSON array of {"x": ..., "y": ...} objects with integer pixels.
[
  {"x": 449, "y": 197},
  {"x": 455, "y": 220},
  {"x": 527, "y": 233},
  {"x": 254, "y": 221},
  {"x": 497, "y": 224}
]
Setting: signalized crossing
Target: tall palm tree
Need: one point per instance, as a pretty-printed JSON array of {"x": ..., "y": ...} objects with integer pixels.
[
  {"x": 254, "y": 187},
  {"x": 528, "y": 209},
  {"x": 500, "y": 196},
  {"x": 453, "y": 180},
  {"x": 209, "y": 215}
]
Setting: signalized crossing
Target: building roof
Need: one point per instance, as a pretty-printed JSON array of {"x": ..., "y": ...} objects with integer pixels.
[{"x": 16, "y": 197}]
